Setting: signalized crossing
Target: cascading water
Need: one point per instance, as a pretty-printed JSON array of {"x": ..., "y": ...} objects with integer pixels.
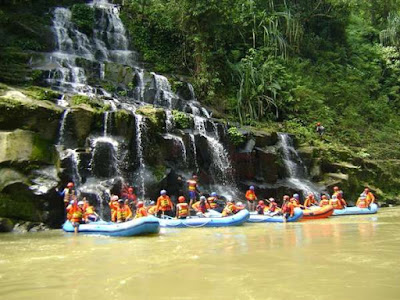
[
  {"x": 164, "y": 95},
  {"x": 140, "y": 129},
  {"x": 295, "y": 167},
  {"x": 104, "y": 163},
  {"x": 169, "y": 120},
  {"x": 61, "y": 134},
  {"x": 107, "y": 123},
  {"x": 193, "y": 145}
]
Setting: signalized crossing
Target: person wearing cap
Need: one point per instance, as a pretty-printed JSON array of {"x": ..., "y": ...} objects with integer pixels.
[
  {"x": 90, "y": 214},
  {"x": 324, "y": 201},
  {"x": 113, "y": 204},
  {"x": 201, "y": 206},
  {"x": 212, "y": 200},
  {"x": 310, "y": 200},
  {"x": 251, "y": 198},
  {"x": 370, "y": 198},
  {"x": 141, "y": 210},
  {"x": 260, "y": 207},
  {"x": 182, "y": 208},
  {"x": 273, "y": 208},
  {"x": 77, "y": 214},
  {"x": 164, "y": 204},
  {"x": 287, "y": 209},
  {"x": 335, "y": 202},
  {"x": 193, "y": 189},
  {"x": 320, "y": 129},
  {"x": 123, "y": 213},
  {"x": 152, "y": 208},
  {"x": 362, "y": 201}
]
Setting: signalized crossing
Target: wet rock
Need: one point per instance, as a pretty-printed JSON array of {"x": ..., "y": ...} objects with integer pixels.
[
  {"x": 39, "y": 227},
  {"x": 83, "y": 122},
  {"x": 249, "y": 147},
  {"x": 10, "y": 176},
  {"x": 267, "y": 163},
  {"x": 245, "y": 165},
  {"x": 6, "y": 225},
  {"x": 264, "y": 139},
  {"x": 104, "y": 162}
]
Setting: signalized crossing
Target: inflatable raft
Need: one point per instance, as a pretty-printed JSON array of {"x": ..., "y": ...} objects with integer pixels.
[
  {"x": 141, "y": 226},
  {"x": 316, "y": 212},
  {"x": 213, "y": 221},
  {"x": 373, "y": 209},
  {"x": 256, "y": 218}
]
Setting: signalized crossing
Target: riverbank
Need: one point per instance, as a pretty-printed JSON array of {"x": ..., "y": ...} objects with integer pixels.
[{"x": 338, "y": 258}]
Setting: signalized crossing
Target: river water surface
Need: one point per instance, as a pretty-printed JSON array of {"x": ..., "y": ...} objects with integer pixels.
[{"x": 353, "y": 257}]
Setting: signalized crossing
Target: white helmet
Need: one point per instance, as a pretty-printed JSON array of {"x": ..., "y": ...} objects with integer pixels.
[{"x": 81, "y": 203}]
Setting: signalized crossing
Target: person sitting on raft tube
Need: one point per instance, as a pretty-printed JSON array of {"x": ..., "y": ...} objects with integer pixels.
[
  {"x": 369, "y": 196},
  {"x": 295, "y": 200},
  {"x": 123, "y": 213},
  {"x": 90, "y": 214},
  {"x": 336, "y": 202},
  {"x": 324, "y": 201},
  {"x": 212, "y": 200},
  {"x": 113, "y": 204},
  {"x": 140, "y": 210},
  {"x": 362, "y": 201},
  {"x": 231, "y": 208},
  {"x": 201, "y": 207},
  {"x": 260, "y": 207},
  {"x": 152, "y": 208},
  {"x": 337, "y": 190},
  {"x": 273, "y": 208},
  {"x": 193, "y": 189},
  {"x": 182, "y": 208},
  {"x": 251, "y": 198},
  {"x": 287, "y": 209},
  {"x": 77, "y": 215},
  {"x": 310, "y": 200},
  {"x": 164, "y": 205}
]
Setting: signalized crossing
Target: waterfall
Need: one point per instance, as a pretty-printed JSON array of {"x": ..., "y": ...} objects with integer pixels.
[
  {"x": 193, "y": 145},
  {"x": 140, "y": 129},
  {"x": 107, "y": 123},
  {"x": 63, "y": 122},
  {"x": 297, "y": 172},
  {"x": 104, "y": 161},
  {"x": 169, "y": 120},
  {"x": 164, "y": 95},
  {"x": 73, "y": 156},
  {"x": 179, "y": 142}
]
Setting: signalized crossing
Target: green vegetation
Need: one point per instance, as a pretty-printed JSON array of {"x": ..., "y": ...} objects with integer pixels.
[
  {"x": 182, "y": 120},
  {"x": 83, "y": 17},
  {"x": 92, "y": 102},
  {"x": 235, "y": 136}
]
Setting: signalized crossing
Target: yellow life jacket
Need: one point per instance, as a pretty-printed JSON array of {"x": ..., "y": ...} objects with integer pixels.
[
  {"x": 192, "y": 184},
  {"x": 183, "y": 209}
]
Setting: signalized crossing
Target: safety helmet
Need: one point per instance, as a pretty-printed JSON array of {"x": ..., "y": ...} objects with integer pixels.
[
  {"x": 260, "y": 202},
  {"x": 252, "y": 187},
  {"x": 114, "y": 198},
  {"x": 130, "y": 189},
  {"x": 120, "y": 200},
  {"x": 213, "y": 194},
  {"x": 319, "y": 124},
  {"x": 163, "y": 192},
  {"x": 296, "y": 196},
  {"x": 202, "y": 198},
  {"x": 286, "y": 197},
  {"x": 334, "y": 197},
  {"x": 181, "y": 199},
  {"x": 271, "y": 199},
  {"x": 152, "y": 202},
  {"x": 81, "y": 203},
  {"x": 194, "y": 176},
  {"x": 239, "y": 204},
  {"x": 70, "y": 185},
  {"x": 139, "y": 204},
  {"x": 335, "y": 188}
]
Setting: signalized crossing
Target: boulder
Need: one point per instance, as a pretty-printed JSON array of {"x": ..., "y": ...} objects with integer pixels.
[
  {"x": 264, "y": 139},
  {"x": 9, "y": 177},
  {"x": 267, "y": 163},
  {"x": 83, "y": 122},
  {"x": 6, "y": 225}
]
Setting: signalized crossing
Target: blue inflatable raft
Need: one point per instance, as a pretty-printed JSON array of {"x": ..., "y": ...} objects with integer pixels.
[
  {"x": 141, "y": 226},
  {"x": 214, "y": 221},
  {"x": 373, "y": 209},
  {"x": 256, "y": 218}
]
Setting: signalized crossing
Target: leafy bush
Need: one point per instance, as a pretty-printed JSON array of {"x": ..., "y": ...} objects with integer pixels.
[
  {"x": 83, "y": 17},
  {"x": 182, "y": 120},
  {"x": 235, "y": 136}
]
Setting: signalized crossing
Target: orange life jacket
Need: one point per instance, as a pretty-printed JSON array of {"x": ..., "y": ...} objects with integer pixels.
[
  {"x": 370, "y": 198},
  {"x": 309, "y": 201},
  {"x": 192, "y": 185},
  {"x": 288, "y": 208},
  {"x": 164, "y": 203},
  {"x": 250, "y": 195},
  {"x": 141, "y": 212},
  {"x": 272, "y": 206},
  {"x": 183, "y": 209},
  {"x": 212, "y": 202},
  {"x": 229, "y": 209},
  {"x": 324, "y": 202},
  {"x": 196, "y": 206},
  {"x": 362, "y": 203},
  {"x": 123, "y": 213},
  {"x": 76, "y": 214},
  {"x": 336, "y": 203}
]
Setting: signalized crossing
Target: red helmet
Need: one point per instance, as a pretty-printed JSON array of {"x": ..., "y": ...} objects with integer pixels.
[
  {"x": 139, "y": 204},
  {"x": 70, "y": 185},
  {"x": 130, "y": 189},
  {"x": 260, "y": 202},
  {"x": 319, "y": 124},
  {"x": 335, "y": 188},
  {"x": 181, "y": 199}
]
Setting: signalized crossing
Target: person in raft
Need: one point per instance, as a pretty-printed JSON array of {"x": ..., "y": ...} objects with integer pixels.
[
  {"x": 295, "y": 200},
  {"x": 251, "y": 198},
  {"x": 140, "y": 210},
  {"x": 182, "y": 208},
  {"x": 164, "y": 205},
  {"x": 193, "y": 189},
  {"x": 324, "y": 201},
  {"x": 310, "y": 200},
  {"x": 231, "y": 209},
  {"x": 129, "y": 194},
  {"x": 212, "y": 200},
  {"x": 337, "y": 191},
  {"x": 201, "y": 207},
  {"x": 123, "y": 213},
  {"x": 152, "y": 208},
  {"x": 362, "y": 201},
  {"x": 369, "y": 196},
  {"x": 260, "y": 207},
  {"x": 273, "y": 208},
  {"x": 68, "y": 193},
  {"x": 113, "y": 204},
  {"x": 76, "y": 211},
  {"x": 90, "y": 214},
  {"x": 287, "y": 209}
]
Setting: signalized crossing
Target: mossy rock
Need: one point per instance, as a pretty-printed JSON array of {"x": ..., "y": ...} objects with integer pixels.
[
  {"x": 84, "y": 119},
  {"x": 19, "y": 203},
  {"x": 6, "y": 225},
  {"x": 155, "y": 118},
  {"x": 124, "y": 124}
]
